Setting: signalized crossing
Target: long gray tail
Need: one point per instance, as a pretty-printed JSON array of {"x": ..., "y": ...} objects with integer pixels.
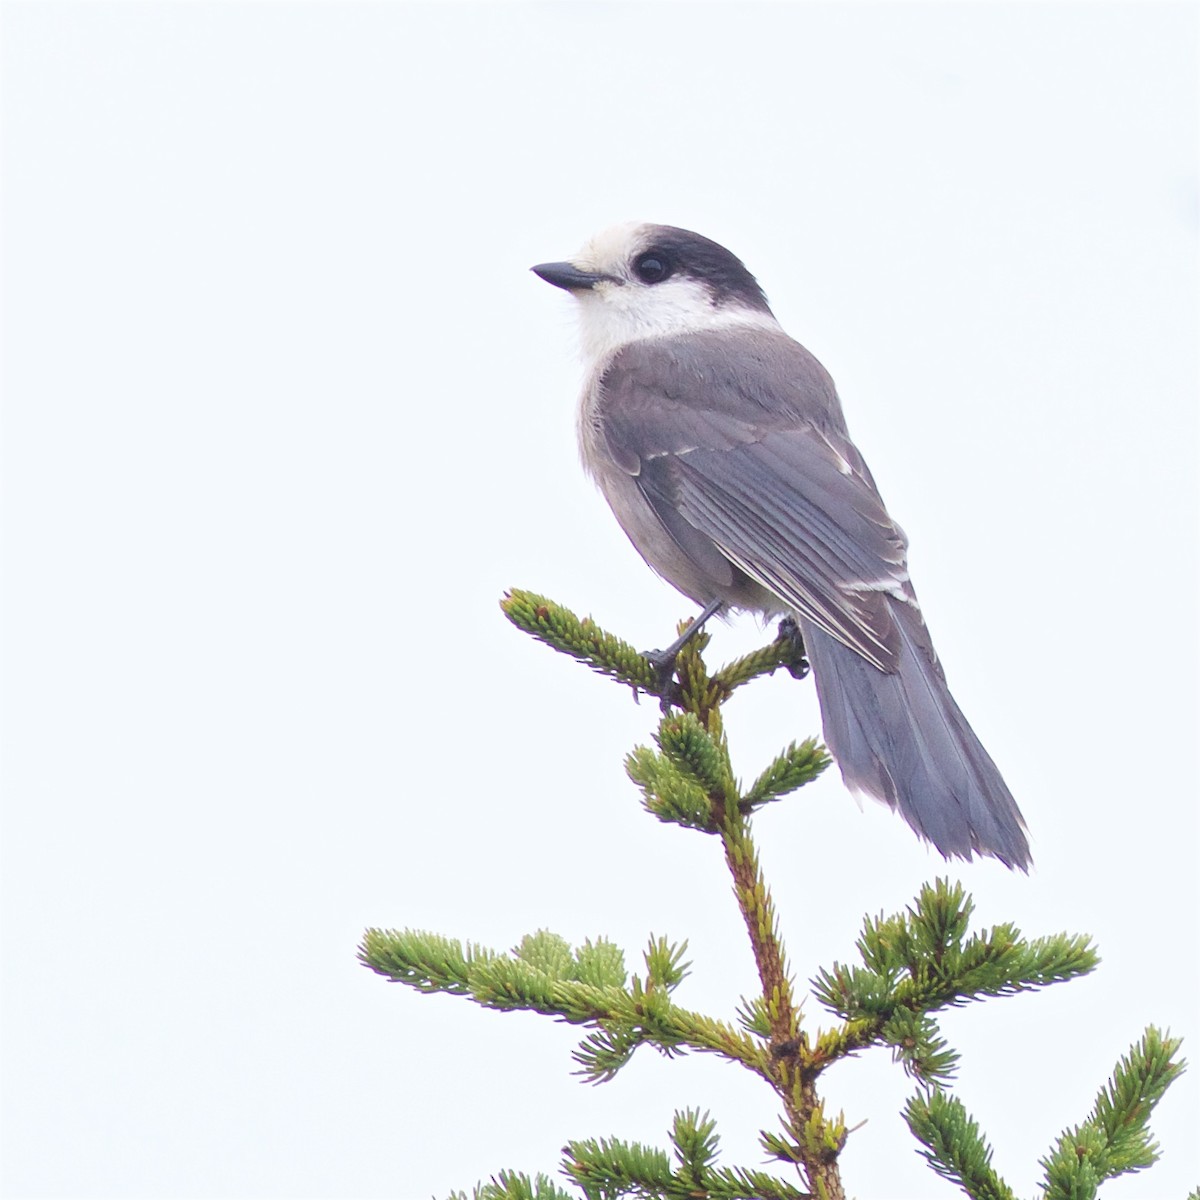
[{"x": 901, "y": 738}]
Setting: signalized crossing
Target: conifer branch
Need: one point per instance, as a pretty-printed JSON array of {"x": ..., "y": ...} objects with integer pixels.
[
  {"x": 953, "y": 1145},
  {"x": 799, "y": 764},
  {"x": 911, "y": 966},
  {"x": 510, "y": 1185},
  {"x": 785, "y": 651},
  {"x": 586, "y": 986},
  {"x": 582, "y": 639},
  {"x": 667, "y": 793},
  {"x": 920, "y": 961},
  {"x": 425, "y": 961},
  {"x": 1115, "y": 1138},
  {"x": 694, "y": 744},
  {"x": 610, "y": 1167}
]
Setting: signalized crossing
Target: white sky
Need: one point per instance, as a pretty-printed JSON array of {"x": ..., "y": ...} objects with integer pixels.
[{"x": 285, "y": 413}]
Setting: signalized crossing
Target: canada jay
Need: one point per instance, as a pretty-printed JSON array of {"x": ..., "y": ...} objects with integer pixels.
[{"x": 720, "y": 444}]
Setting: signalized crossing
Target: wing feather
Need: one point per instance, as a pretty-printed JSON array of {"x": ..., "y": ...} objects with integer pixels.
[{"x": 740, "y": 438}]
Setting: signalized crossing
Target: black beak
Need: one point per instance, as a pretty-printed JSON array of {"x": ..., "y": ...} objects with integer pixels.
[{"x": 567, "y": 275}]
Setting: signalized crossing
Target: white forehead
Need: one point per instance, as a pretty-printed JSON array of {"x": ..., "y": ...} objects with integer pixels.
[{"x": 611, "y": 249}]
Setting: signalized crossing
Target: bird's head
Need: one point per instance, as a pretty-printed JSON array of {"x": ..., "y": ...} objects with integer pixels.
[{"x": 637, "y": 281}]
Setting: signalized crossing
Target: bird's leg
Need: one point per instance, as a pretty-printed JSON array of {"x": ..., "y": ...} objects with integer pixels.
[
  {"x": 789, "y": 631},
  {"x": 663, "y": 661}
]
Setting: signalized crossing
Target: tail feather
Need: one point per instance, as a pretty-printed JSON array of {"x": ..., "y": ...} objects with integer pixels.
[{"x": 902, "y": 739}]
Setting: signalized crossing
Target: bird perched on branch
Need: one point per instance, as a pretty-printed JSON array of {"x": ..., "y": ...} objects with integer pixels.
[{"x": 719, "y": 443}]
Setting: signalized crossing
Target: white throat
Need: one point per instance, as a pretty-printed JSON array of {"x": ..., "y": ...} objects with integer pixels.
[{"x": 612, "y": 315}]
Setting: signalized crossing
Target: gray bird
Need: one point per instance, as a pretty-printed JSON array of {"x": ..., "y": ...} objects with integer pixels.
[{"x": 719, "y": 443}]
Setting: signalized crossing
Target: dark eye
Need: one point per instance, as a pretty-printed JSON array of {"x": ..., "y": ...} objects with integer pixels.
[{"x": 652, "y": 267}]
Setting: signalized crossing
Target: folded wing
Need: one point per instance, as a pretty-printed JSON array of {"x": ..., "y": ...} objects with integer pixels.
[{"x": 764, "y": 470}]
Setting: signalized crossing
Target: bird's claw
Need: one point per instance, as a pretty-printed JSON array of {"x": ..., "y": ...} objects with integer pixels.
[
  {"x": 666, "y": 687},
  {"x": 797, "y": 662}
]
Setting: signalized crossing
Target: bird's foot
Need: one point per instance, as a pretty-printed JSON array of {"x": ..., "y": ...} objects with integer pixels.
[
  {"x": 666, "y": 688},
  {"x": 797, "y": 660},
  {"x": 670, "y": 691}
]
